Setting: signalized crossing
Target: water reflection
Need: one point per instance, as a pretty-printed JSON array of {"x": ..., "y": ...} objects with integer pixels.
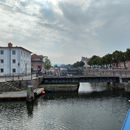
[
  {"x": 92, "y": 108},
  {"x": 60, "y": 95},
  {"x": 89, "y": 88},
  {"x": 30, "y": 106}
]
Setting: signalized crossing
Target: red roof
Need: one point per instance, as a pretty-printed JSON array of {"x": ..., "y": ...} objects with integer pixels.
[{"x": 14, "y": 47}]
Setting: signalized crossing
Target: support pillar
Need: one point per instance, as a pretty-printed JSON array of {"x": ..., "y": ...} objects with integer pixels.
[{"x": 30, "y": 93}]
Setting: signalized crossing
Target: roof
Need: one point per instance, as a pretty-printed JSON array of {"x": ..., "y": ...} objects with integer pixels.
[
  {"x": 37, "y": 56},
  {"x": 16, "y": 47}
]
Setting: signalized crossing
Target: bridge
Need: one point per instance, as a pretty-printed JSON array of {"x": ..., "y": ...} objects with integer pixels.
[
  {"x": 91, "y": 75},
  {"x": 71, "y": 83},
  {"x": 77, "y": 79}
]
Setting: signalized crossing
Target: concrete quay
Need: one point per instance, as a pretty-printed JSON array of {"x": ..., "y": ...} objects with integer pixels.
[
  {"x": 19, "y": 84},
  {"x": 19, "y": 95},
  {"x": 18, "y": 87}
]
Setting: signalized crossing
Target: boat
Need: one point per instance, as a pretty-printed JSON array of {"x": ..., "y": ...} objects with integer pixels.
[{"x": 126, "y": 125}]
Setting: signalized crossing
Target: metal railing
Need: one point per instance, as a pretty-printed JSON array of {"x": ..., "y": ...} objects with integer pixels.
[{"x": 107, "y": 72}]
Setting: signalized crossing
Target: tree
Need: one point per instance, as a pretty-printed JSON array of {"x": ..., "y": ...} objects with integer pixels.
[
  {"x": 123, "y": 58},
  {"x": 55, "y": 65},
  {"x": 95, "y": 61},
  {"x": 107, "y": 60},
  {"x": 119, "y": 56},
  {"x": 128, "y": 54},
  {"x": 116, "y": 57},
  {"x": 47, "y": 63},
  {"x": 78, "y": 64}
]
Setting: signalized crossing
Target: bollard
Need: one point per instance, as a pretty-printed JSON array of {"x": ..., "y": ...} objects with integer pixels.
[{"x": 30, "y": 93}]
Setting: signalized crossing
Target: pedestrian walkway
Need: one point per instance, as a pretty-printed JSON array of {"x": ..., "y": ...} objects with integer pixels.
[{"x": 17, "y": 78}]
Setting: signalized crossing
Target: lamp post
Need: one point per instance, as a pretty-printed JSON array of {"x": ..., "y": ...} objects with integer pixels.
[{"x": 18, "y": 69}]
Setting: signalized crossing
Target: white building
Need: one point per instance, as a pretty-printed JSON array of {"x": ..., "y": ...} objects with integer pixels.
[{"x": 14, "y": 60}]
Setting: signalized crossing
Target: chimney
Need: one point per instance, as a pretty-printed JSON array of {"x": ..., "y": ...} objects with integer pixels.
[{"x": 10, "y": 44}]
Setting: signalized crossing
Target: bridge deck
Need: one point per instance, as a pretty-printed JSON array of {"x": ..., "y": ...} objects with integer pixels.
[{"x": 77, "y": 79}]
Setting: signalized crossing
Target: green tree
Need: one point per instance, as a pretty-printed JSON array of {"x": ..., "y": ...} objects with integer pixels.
[
  {"x": 123, "y": 58},
  {"x": 116, "y": 57},
  {"x": 95, "y": 61},
  {"x": 127, "y": 54},
  {"x": 107, "y": 60},
  {"x": 55, "y": 65},
  {"x": 119, "y": 56},
  {"x": 47, "y": 63},
  {"x": 78, "y": 64}
]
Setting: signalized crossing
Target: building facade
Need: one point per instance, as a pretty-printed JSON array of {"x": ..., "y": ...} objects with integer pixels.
[
  {"x": 123, "y": 65},
  {"x": 14, "y": 61},
  {"x": 37, "y": 63}
]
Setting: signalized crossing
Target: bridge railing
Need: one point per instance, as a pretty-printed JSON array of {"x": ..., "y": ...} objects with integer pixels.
[{"x": 108, "y": 72}]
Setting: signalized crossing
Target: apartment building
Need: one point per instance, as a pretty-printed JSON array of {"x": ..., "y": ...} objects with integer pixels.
[{"x": 14, "y": 60}]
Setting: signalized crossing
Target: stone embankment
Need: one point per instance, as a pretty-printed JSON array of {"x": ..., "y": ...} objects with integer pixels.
[
  {"x": 18, "y": 89},
  {"x": 18, "y": 85},
  {"x": 12, "y": 86}
]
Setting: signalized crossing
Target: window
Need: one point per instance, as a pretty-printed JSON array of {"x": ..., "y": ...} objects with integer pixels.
[
  {"x": 1, "y": 52},
  {"x": 1, "y": 70},
  {"x": 14, "y": 61},
  {"x": 1, "y": 61},
  {"x": 13, "y": 52},
  {"x": 13, "y": 70}
]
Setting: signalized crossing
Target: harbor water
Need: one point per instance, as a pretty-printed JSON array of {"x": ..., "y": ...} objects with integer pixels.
[{"x": 92, "y": 108}]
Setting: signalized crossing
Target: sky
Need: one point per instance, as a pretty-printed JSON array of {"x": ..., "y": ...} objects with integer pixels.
[{"x": 66, "y": 30}]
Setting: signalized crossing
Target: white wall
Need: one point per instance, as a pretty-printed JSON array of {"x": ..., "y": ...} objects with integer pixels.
[{"x": 22, "y": 64}]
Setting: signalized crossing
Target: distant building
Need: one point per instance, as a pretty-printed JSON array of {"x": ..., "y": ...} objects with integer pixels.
[
  {"x": 14, "y": 60},
  {"x": 85, "y": 60},
  {"x": 53, "y": 71},
  {"x": 74, "y": 71},
  {"x": 121, "y": 65},
  {"x": 37, "y": 63},
  {"x": 63, "y": 71}
]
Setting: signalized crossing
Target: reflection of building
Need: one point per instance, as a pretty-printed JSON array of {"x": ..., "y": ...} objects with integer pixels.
[
  {"x": 37, "y": 63},
  {"x": 14, "y": 60}
]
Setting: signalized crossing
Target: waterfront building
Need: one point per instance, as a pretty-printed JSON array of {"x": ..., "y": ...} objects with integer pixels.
[
  {"x": 121, "y": 65},
  {"x": 37, "y": 63},
  {"x": 14, "y": 60}
]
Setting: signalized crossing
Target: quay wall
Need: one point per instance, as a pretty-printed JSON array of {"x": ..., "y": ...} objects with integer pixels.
[
  {"x": 60, "y": 87},
  {"x": 18, "y": 85}
]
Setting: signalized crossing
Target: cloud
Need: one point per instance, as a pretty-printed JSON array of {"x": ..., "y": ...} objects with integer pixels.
[{"x": 66, "y": 30}]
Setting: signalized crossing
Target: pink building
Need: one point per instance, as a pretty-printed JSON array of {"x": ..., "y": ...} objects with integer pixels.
[
  {"x": 37, "y": 63},
  {"x": 122, "y": 66}
]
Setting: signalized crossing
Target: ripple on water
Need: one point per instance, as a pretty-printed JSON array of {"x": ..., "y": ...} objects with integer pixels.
[{"x": 89, "y": 112}]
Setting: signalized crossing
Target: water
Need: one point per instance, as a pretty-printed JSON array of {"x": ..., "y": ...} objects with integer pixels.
[{"x": 91, "y": 109}]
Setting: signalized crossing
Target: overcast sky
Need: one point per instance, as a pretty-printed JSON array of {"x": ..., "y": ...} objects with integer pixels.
[{"x": 66, "y": 30}]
